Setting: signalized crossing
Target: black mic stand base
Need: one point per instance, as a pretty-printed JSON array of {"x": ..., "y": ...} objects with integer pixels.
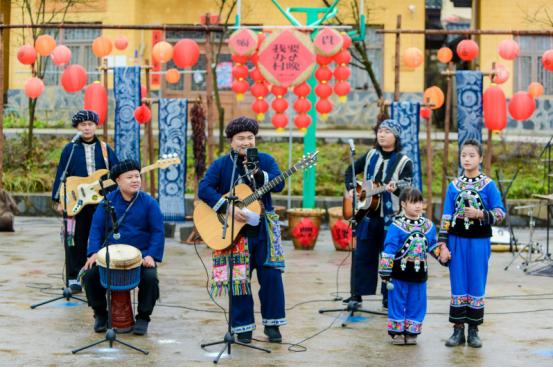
[
  {"x": 351, "y": 308},
  {"x": 228, "y": 340},
  {"x": 67, "y": 294},
  {"x": 111, "y": 337}
]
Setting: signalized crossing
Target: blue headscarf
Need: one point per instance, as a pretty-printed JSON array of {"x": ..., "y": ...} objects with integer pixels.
[{"x": 85, "y": 115}]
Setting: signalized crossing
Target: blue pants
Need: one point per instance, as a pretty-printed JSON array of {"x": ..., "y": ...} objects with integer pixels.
[
  {"x": 271, "y": 292},
  {"x": 406, "y": 307},
  {"x": 468, "y": 271},
  {"x": 370, "y": 243}
]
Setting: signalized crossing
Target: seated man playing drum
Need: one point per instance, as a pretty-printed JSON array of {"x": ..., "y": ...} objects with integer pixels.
[{"x": 141, "y": 226}]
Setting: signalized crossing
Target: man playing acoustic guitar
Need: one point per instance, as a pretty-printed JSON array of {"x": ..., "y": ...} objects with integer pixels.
[
  {"x": 258, "y": 244},
  {"x": 382, "y": 164},
  {"x": 89, "y": 155}
]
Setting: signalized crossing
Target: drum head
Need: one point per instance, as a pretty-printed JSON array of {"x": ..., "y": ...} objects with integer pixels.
[{"x": 121, "y": 257}]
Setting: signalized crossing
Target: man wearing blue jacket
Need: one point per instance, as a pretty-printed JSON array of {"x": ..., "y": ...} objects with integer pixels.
[
  {"x": 140, "y": 225},
  {"x": 257, "y": 241}
]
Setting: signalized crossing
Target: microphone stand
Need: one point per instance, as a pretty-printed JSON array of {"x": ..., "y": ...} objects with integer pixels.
[
  {"x": 352, "y": 306},
  {"x": 111, "y": 334},
  {"x": 66, "y": 293},
  {"x": 229, "y": 338},
  {"x": 547, "y": 149}
]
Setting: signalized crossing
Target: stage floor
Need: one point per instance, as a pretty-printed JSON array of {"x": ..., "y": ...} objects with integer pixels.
[{"x": 517, "y": 329}]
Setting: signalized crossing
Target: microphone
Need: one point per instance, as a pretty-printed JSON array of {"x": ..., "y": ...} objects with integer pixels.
[
  {"x": 351, "y": 145},
  {"x": 76, "y": 137},
  {"x": 116, "y": 234}
]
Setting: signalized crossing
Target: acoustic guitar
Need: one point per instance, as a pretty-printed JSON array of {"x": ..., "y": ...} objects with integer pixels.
[
  {"x": 83, "y": 191},
  {"x": 209, "y": 223},
  {"x": 368, "y": 198}
]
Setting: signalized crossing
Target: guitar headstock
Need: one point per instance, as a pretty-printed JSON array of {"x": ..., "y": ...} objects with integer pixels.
[
  {"x": 308, "y": 160},
  {"x": 167, "y": 160}
]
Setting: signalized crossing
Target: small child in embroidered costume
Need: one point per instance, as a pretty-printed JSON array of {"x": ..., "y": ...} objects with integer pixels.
[{"x": 404, "y": 264}]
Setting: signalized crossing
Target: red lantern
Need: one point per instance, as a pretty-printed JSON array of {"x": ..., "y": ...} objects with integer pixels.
[
  {"x": 522, "y": 106},
  {"x": 102, "y": 46},
  {"x": 413, "y": 57},
  {"x": 61, "y": 55},
  {"x": 73, "y": 78},
  {"x": 186, "y": 53},
  {"x": 240, "y": 87},
  {"x": 343, "y": 57},
  {"x": 239, "y": 72},
  {"x": 323, "y": 60},
  {"x": 259, "y": 90},
  {"x": 260, "y": 107},
  {"x": 342, "y": 89},
  {"x": 435, "y": 96},
  {"x": 26, "y": 54},
  {"x": 302, "y": 105},
  {"x": 45, "y": 44},
  {"x": 323, "y": 90},
  {"x": 425, "y": 113},
  {"x": 172, "y": 76},
  {"x": 535, "y": 89},
  {"x": 162, "y": 52},
  {"x": 444, "y": 55},
  {"x": 279, "y": 91},
  {"x": 302, "y": 90},
  {"x": 121, "y": 43},
  {"x": 142, "y": 114},
  {"x": 239, "y": 59},
  {"x": 495, "y": 108},
  {"x": 33, "y": 87},
  {"x": 347, "y": 40},
  {"x": 342, "y": 73},
  {"x": 96, "y": 99},
  {"x": 547, "y": 60},
  {"x": 280, "y": 121},
  {"x": 508, "y": 49},
  {"x": 501, "y": 74},
  {"x": 341, "y": 234},
  {"x": 302, "y": 121},
  {"x": 279, "y": 105},
  {"x": 255, "y": 59},
  {"x": 467, "y": 50},
  {"x": 257, "y": 76},
  {"x": 323, "y": 73},
  {"x": 323, "y": 107}
]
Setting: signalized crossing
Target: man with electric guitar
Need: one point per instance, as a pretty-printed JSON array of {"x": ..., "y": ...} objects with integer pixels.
[
  {"x": 81, "y": 157},
  {"x": 383, "y": 166}
]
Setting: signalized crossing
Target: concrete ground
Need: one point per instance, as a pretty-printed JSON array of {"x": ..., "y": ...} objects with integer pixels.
[{"x": 517, "y": 331}]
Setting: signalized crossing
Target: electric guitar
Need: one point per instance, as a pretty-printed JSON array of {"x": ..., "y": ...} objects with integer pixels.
[
  {"x": 208, "y": 222},
  {"x": 368, "y": 198},
  {"x": 83, "y": 191}
]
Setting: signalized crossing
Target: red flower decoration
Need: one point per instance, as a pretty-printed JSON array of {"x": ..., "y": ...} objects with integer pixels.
[
  {"x": 305, "y": 231},
  {"x": 341, "y": 234}
]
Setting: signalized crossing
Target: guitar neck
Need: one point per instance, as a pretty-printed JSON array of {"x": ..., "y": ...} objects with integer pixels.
[
  {"x": 151, "y": 167},
  {"x": 270, "y": 185}
]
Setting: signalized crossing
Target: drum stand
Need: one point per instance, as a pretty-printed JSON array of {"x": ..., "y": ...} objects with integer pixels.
[
  {"x": 352, "y": 306},
  {"x": 229, "y": 338},
  {"x": 111, "y": 334},
  {"x": 530, "y": 247},
  {"x": 67, "y": 293}
]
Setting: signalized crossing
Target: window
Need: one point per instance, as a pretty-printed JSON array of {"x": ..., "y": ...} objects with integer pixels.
[
  {"x": 360, "y": 79},
  {"x": 528, "y": 66},
  {"x": 79, "y": 41}
]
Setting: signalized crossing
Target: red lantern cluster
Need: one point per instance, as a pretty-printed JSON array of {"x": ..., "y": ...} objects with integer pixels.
[
  {"x": 495, "y": 108},
  {"x": 279, "y": 105},
  {"x": 243, "y": 45},
  {"x": 302, "y": 106},
  {"x": 259, "y": 91},
  {"x": 239, "y": 74}
]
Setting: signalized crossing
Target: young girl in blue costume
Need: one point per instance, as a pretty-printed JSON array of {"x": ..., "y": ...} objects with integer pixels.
[
  {"x": 472, "y": 205},
  {"x": 404, "y": 264}
]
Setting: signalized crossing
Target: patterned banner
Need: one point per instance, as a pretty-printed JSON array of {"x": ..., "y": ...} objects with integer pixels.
[
  {"x": 469, "y": 106},
  {"x": 173, "y": 124},
  {"x": 126, "y": 82},
  {"x": 408, "y": 116}
]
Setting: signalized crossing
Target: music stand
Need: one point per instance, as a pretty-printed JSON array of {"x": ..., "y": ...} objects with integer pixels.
[
  {"x": 67, "y": 293},
  {"x": 531, "y": 246},
  {"x": 352, "y": 306},
  {"x": 229, "y": 338}
]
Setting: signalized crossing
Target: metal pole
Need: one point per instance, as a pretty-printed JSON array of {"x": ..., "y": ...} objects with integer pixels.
[
  {"x": 149, "y": 130},
  {"x": 396, "y": 60},
  {"x": 289, "y": 200}
]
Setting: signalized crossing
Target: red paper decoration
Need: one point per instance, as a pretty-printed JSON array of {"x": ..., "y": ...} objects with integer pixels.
[
  {"x": 535, "y": 89},
  {"x": 280, "y": 121},
  {"x": 142, "y": 114},
  {"x": 96, "y": 99},
  {"x": 547, "y": 60},
  {"x": 243, "y": 42},
  {"x": 328, "y": 42},
  {"x": 186, "y": 53},
  {"x": 73, "y": 78},
  {"x": 33, "y": 87},
  {"x": 61, "y": 55},
  {"x": 445, "y": 55},
  {"x": 522, "y": 106},
  {"x": 435, "y": 96},
  {"x": 347, "y": 40},
  {"x": 302, "y": 121},
  {"x": 508, "y": 49},
  {"x": 467, "y": 50},
  {"x": 45, "y": 44},
  {"x": 413, "y": 57},
  {"x": 425, "y": 112},
  {"x": 102, "y": 46},
  {"x": 341, "y": 234},
  {"x": 323, "y": 60},
  {"x": 495, "y": 108},
  {"x": 121, "y": 43},
  {"x": 162, "y": 52},
  {"x": 26, "y": 54},
  {"x": 343, "y": 57},
  {"x": 305, "y": 231}
]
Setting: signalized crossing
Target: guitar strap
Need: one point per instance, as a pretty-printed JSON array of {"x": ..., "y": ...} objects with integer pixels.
[{"x": 105, "y": 153}]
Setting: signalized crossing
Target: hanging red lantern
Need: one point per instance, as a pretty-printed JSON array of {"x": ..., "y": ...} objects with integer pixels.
[
  {"x": 467, "y": 50},
  {"x": 347, "y": 40},
  {"x": 257, "y": 76},
  {"x": 323, "y": 74},
  {"x": 341, "y": 89},
  {"x": 280, "y": 121},
  {"x": 323, "y": 107},
  {"x": 445, "y": 55},
  {"x": 323, "y": 60},
  {"x": 239, "y": 59},
  {"x": 425, "y": 113},
  {"x": 121, "y": 43},
  {"x": 323, "y": 90},
  {"x": 45, "y": 44},
  {"x": 260, "y": 107},
  {"x": 535, "y": 89},
  {"x": 302, "y": 90},
  {"x": 302, "y": 105},
  {"x": 302, "y": 121},
  {"x": 240, "y": 72},
  {"x": 435, "y": 96},
  {"x": 73, "y": 78},
  {"x": 495, "y": 108},
  {"x": 259, "y": 90},
  {"x": 33, "y": 87},
  {"x": 61, "y": 55},
  {"x": 102, "y": 46},
  {"x": 96, "y": 99},
  {"x": 500, "y": 74},
  {"x": 342, "y": 73},
  {"x": 162, "y": 52},
  {"x": 279, "y": 91},
  {"x": 279, "y": 105},
  {"x": 142, "y": 114},
  {"x": 172, "y": 76},
  {"x": 508, "y": 49},
  {"x": 343, "y": 57},
  {"x": 521, "y": 106},
  {"x": 26, "y": 54},
  {"x": 547, "y": 60},
  {"x": 412, "y": 57},
  {"x": 186, "y": 53},
  {"x": 240, "y": 87}
]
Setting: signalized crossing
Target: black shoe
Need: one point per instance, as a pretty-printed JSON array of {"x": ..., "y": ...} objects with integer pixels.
[
  {"x": 244, "y": 337},
  {"x": 385, "y": 302},
  {"x": 140, "y": 327},
  {"x": 353, "y": 298},
  {"x": 76, "y": 288},
  {"x": 458, "y": 337},
  {"x": 472, "y": 339},
  {"x": 273, "y": 333},
  {"x": 100, "y": 322}
]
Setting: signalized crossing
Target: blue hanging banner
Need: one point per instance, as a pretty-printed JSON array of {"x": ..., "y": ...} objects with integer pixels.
[
  {"x": 126, "y": 89},
  {"x": 469, "y": 106}
]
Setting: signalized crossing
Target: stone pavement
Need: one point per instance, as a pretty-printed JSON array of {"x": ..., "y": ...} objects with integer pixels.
[{"x": 517, "y": 331}]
